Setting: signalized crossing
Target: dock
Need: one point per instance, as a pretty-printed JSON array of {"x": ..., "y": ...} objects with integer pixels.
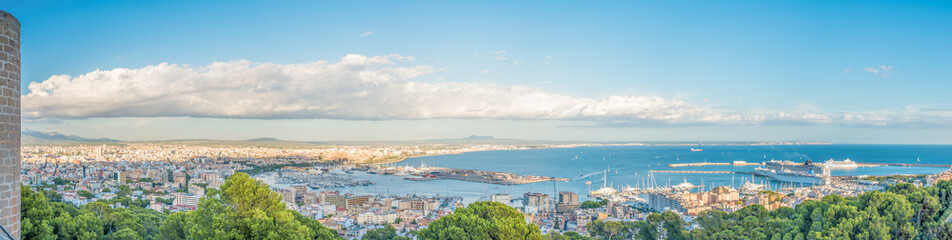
[
  {"x": 861, "y": 164},
  {"x": 735, "y": 163},
  {"x": 866, "y": 164},
  {"x": 694, "y": 172}
]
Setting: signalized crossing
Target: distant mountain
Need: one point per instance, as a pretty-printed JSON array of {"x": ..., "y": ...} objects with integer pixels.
[
  {"x": 264, "y": 139},
  {"x": 476, "y": 137},
  {"x": 28, "y": 137}
]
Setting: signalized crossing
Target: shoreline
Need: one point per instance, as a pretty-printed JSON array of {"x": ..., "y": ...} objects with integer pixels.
[{"x": 606, "y": 145}]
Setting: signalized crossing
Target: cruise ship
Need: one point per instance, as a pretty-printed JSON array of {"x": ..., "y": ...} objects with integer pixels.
[
  {"x": 845, "y": 164},
  {"x": 697, "y": 149},
  {"x": 790, "y": 176}
]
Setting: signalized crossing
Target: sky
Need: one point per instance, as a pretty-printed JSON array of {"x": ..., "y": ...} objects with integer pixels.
[{"x": 838, "y": 71}]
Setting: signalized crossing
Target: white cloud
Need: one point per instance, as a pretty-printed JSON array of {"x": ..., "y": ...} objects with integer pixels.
[
  {"x": 368, "y": 33},
  {"x": 883, "y": 70},
  {"x": 497, "y": 55},
  {"x": 367, "y": 87},
  {"x": 485, "y": 71}
]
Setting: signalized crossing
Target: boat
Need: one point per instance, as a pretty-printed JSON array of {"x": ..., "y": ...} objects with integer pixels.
[
  {"x": 790, "y": 176},
  {"x": 751, "y": 188},
  {"x": 603, "y": 191},
  {"x": 697, "y": 150},
  {"x": 845, "y": 164}
]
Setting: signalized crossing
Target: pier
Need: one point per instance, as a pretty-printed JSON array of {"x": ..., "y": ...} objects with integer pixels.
[
  {"x": 861, "y": 164},
  {"x": 735, "y": 163},
  {"x": 903, "y": 165},
  {"x": 694, "y": 172}
]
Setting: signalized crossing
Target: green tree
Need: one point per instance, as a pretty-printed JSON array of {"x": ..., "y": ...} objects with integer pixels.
[
  {"x": 388, "y": 232},
  {"x": 124, "y": 234},
  {"x": 482, "y": 220},
  {"x": 245, "y": 208},
  {"x": 36, "y": 215},
  {"x": 175, "y": 227},
  {"x": 85, "y": 194}
]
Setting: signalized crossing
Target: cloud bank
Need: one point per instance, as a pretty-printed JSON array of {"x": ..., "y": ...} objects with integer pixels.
[{"x": 371, "y": 88}]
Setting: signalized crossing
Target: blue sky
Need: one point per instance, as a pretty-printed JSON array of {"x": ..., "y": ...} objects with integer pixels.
[{"x": 868, "y": 72}]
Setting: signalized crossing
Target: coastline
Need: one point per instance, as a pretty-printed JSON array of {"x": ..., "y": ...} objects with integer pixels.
[{"x": 607, "y": 145}]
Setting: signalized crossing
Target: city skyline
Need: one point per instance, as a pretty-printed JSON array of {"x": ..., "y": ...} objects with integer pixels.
[{"x": 620, "y": 71}]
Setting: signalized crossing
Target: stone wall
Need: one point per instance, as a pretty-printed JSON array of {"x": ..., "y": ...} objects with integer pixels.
[{"x": 10, "y": 124}]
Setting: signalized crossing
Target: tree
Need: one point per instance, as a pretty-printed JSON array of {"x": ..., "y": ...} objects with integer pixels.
[
  {"x": 388, "y": 232},
  {"x": 175, "y": 227},
  {"x": 553, "y": 235},
  {"x": 85, "y": 194},
  {"x": 124, "y": 234},
  {"x": 245, "y": 208},
  {"x": 593, "y": 204},
  {"x": 482, "y": 220},
  {"x": 36, "y": 215}
]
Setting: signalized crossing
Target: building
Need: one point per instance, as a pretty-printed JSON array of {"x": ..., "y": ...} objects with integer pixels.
[
  {"x": 568, "y": 201},
  {"x": 210, "y": 177},
  {"x": 179, "y": 179},
  {"x": 354, "y": 202},
  {"x": 333, "y": 197},
  {"x": 121, "y": 177},
  {"x": 664, "y": 202},
  {"x": 725, "y": 194},
  {"x": 501, "y": 198},
  {"x": 300, "y": 192},
  {"x": 196, "y": 190},
  {"x": 10, "y": 125},
  {"x": 378, "y": 218},
  {"x": 535, "y": 202},
  {"x": 287, "y": 196},
  {"x": 186, "y": 200},
  {"x": 158, "y": 176},
  {"x": 568, "y": 198}
]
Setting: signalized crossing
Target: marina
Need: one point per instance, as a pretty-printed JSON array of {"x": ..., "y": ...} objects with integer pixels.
[{"x": 637, "y": 166}]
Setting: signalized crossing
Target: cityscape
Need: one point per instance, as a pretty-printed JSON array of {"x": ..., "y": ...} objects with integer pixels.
[
  {"x": 174, "y": 177},
  {"x": 482, "y": 120}
]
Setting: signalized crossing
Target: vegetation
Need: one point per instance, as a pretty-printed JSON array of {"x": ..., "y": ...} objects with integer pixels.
[
  {"x": 85, "y": 194},
  {"x": 385, "y": 233},
  {"x": 901, "y": 212},
  {"x": 242, "y": 209},
  {"x": 43, "y": 219},
  {"x": 62, "y": 182},
  {"x": 482, "y": 220},
  {"x": 566, "y": 236},
  {"x": 594, "y": 204}
]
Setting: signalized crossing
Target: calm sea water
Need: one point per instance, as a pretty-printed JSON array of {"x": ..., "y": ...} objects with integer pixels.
[{"x": 630, "y": 165}]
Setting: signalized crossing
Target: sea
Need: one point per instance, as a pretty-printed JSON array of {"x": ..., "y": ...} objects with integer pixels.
[{"x": 593, "y": 167}]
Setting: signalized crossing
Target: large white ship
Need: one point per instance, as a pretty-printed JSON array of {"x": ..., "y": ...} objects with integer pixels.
[
  {"x": 845, "y": 164},
  {"x": 790, "y": 176}
]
